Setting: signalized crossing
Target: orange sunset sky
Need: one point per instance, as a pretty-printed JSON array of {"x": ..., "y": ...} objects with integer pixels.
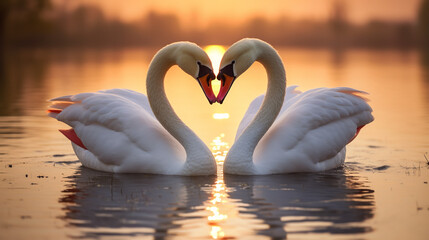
[{"x": 200, "y": 12}]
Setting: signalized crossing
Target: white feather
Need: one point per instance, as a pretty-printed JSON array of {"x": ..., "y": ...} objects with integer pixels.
[
  {"x": 286, "y": 130},
  {"x": 121, "y": 133},
  {"x": 311, "y": 132}
]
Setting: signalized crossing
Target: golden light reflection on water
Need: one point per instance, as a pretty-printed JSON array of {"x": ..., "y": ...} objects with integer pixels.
[
  {"x": 215, "y": 53},
  {"x": 221, "y": 116},
  {"x": 219, "y": 149},
  {"x": 219, "y": 194}
]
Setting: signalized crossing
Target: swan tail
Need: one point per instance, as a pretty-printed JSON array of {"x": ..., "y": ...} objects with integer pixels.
[
  {"x": 67, "y": 98},
  {"x": 354, "y": 92},
  {"x": 53, "y": 113},
  {"x": 358, "y": 94},
  {"x": 357, "y": 132},
  {"x": 58, "y": 105},
  {"x": 71, "y": 135}
]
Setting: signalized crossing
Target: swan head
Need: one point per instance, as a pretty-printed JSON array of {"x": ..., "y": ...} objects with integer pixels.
[
  {"x": 236, "y": 60},
  {"x": 195, "y": 62}
]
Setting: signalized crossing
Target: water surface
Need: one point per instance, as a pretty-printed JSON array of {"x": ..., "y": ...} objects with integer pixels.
[{"x": 381, "y": 192}]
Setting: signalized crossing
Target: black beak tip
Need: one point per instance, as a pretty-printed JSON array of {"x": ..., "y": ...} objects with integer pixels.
[{"x": 210, "y": 101}]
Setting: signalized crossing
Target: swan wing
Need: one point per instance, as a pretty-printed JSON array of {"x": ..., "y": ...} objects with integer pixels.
[
  {"x": 254, "y": 106},
  {"x": 119, "y": 132},
  {"x": 136, "y": 97},
  {"x": 312, "y": 131}
]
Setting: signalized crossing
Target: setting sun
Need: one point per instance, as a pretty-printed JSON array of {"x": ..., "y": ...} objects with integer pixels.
[{"x": 215, "y": 53}]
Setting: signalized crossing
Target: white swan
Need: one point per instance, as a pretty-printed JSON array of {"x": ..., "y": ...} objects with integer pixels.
[
  {"x": 124, "y": 131},
  {"x": 292, "y": 132}
]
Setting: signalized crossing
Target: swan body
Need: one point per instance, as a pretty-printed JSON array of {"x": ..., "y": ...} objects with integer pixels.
[
  {"x": 123, "y": 131},
  {"x": 286, "y": 130}
]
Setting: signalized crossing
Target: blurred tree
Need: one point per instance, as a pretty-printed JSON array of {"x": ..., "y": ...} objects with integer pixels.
[
  {"x": 87, "y": 25},
  {"x": 28, "y": 23},
  {"x": 338, "y": 23},
  {"x": 405, "y": 35},
  {"x": 160, "y": 28},
  {"x": 259, "y": 27},
  {"x": 423, "y": 23},
  {"x": 23, "y": 16}
]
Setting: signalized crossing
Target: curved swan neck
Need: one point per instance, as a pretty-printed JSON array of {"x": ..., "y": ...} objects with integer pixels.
[
  {"x": 198, "y": 156},
  {"x": 240, "y": 156}
]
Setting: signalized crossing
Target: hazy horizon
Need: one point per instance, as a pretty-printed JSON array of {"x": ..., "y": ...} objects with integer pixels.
[{"x": 202, "y": 13}]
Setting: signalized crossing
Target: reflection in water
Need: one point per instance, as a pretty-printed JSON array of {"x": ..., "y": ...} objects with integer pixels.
[
  {"x": 338, "y": 64},
  {"x": 217, "y": 217},
  {"x": 22, "y": 73},
  {"x": 220, "y": 116},
  {"x": 333, "y": 202},
  {"x": 219, "y": 150},
  {"x": 10, "y": 129},
  {"x": 124, "y": 205},
  {"x": 424, "y": 62},
  {"x": 338, "y": 58},
  {"x": 104, "y": 204},
  {"x": 219, "y": 195}
]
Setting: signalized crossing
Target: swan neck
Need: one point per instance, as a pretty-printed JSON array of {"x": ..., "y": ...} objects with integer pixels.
[
  {"x": 244, "y": 147},
  {"x": 198, "y": 156}
]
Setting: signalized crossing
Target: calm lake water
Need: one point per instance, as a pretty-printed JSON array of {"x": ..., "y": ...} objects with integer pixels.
[{"x": 381, "y": 192}]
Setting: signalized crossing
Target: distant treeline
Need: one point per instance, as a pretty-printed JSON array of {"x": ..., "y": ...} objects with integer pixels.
[{"x": 45, "y": 25}]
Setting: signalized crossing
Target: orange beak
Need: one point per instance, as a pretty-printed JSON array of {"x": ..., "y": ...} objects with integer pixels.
[
  {"x": 206, "y": 84},
  {"x": 226, "y": 83}
]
